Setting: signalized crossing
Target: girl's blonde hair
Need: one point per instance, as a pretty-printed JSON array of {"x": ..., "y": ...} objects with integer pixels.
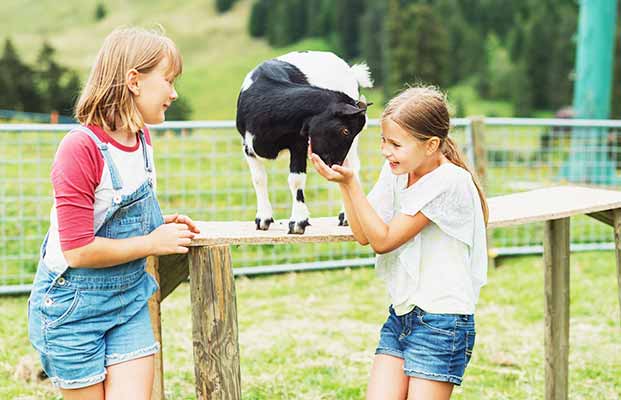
[
  {"x": 423, "y": 111},
  {"x": 106, "y": 100}
]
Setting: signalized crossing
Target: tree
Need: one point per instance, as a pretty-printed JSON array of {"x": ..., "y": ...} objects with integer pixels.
[
  {"x": 100, "y": 11},
  {"x": 418, "y": 46},
  {"x": 257, "y": 23},
  {"x": 68, "y": 94},
  {"x": 319, "y": 18},
  {"x": 18, "y": 90},
  {"x": 49, "y": 76},
  {"x": 179, "y": 110},
  {"x": 548, "y": 52},
  {"x": 372, "y": 38},
  {"x": 348, "y": 13},
  {"x": 223, "y": 6}
]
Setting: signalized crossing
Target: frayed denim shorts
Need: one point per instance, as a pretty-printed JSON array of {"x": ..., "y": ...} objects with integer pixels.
[
  {"x": 433, "y": 346},
  {"x": 85, "y": 320}
]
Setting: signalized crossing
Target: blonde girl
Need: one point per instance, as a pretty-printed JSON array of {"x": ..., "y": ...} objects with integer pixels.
[{"x": 88, "y": 314}]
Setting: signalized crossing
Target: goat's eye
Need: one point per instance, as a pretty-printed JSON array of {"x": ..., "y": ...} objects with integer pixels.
[{"x": 344, "y": 131}]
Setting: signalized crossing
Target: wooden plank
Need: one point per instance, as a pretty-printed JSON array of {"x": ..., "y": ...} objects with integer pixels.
[
  {"x": 156, "y": 324},
  {"x": 173, "y": 270},
  {"x": 216, "y": 233},
  {"x": 617, "y": 228},
  {"x": 550, "y": 203},
  {"x": 214, "y": 324},
  {"x": 514, "y": 209},
  {"x": 556, "y": 291}
]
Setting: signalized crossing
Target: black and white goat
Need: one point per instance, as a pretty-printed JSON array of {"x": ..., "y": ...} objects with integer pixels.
[{"x": 292, "y": 100}]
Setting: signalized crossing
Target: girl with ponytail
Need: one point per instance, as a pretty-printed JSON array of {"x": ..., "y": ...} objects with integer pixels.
[{"x": 425, "y": 218}]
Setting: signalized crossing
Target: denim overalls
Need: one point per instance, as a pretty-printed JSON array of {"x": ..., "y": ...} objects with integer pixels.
[{"x": 86, "y": 319}]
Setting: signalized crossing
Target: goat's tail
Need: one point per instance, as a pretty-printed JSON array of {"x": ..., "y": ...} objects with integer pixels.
[{"x": 362, "y": 74}]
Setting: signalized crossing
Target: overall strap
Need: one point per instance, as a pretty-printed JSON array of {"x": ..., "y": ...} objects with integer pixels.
[
  {"x": 148, "y": 165},
  {"x": 117, "y": 183}
]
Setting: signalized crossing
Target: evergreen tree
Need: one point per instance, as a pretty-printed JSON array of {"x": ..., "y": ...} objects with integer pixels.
[
  {"x": 372, "y": 38},
  {"x": 180, "y": 110},
  {"x": 257, "y": 24},
  {"x": 68, "y": 95},
  {"x": 466, "y": 44},
  {"x": 545, "y": 48},
  {"x": 348, "y": 13},
  {"x": 522, "y": 97},
  {"x": 282, "y": 19},
  {"x": 418, "y": 43},
  {"x": 9, "y": 71},
  {"x": 319, "y": 17},
  {"x": 19, "y": 91},
  {"x": 223, "y": 6},
  {"x": 49, "y": 75},
  {"x": 100, "y": 11}
]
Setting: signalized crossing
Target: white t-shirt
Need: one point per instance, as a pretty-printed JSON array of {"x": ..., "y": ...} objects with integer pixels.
[{"x": 443, "y": 268}]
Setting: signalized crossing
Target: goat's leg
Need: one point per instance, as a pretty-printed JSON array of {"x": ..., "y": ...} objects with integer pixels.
[
  {"x": 264, "y": 215},
  {"x": 353, "y": 160},
  {"x": 297, "y": 183}
]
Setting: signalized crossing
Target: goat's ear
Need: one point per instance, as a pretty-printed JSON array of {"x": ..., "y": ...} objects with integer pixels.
[
  {"x": 344, "y": 109},
  {"x": 362, "y": 103}
]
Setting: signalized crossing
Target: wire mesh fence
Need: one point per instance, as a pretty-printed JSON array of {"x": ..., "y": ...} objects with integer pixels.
[{"x": 201, "y": 172}]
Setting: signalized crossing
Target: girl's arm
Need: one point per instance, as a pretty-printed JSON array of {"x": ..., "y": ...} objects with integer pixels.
[
  {"x": 352, "y": 218},
  {"x": 172, "y": 237},
  {"x": 383, "y": 237}
]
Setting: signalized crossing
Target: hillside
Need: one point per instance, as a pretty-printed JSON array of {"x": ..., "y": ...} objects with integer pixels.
[{"x": 217, "y": 50}]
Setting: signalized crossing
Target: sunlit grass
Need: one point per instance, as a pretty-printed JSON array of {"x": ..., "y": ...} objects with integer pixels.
[{"x": 312, "y": 335}]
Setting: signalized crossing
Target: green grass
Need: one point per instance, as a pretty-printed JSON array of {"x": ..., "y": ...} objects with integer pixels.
[{"x": 312, "y": 335}]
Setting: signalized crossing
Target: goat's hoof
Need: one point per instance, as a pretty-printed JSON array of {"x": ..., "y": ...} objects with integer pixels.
[
  {"x": 343, "y": 220},
  {"x": 298, "y": 227},
  {"x": 263, "y": 224}
]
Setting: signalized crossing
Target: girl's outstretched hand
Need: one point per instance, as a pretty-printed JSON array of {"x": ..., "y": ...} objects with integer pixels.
[
  {"x": 336, "y": 173},
  {"x": 182, "y": 219}
]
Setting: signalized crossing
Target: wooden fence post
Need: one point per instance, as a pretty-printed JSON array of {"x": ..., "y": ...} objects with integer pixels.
[
  {"x": 556, "y": 293},
  {"x": 214, "y": 324},
  {"x": 477, "y": 125},
  {"x": 156, "y": 324}
]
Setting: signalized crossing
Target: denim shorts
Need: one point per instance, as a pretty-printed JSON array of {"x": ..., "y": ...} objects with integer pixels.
[
  {"x": 83, "y": 320},
  {"x": 433, "y": 346}
]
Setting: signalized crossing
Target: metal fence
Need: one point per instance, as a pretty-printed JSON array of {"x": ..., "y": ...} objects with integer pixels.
[{"x": 201, "y": 172}]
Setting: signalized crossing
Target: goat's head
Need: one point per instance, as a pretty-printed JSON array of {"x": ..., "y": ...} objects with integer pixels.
[{"x": 332, "y": 132}]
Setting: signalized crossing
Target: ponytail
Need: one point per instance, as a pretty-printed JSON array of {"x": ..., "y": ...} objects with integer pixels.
[{"x": 453, "y": 154}]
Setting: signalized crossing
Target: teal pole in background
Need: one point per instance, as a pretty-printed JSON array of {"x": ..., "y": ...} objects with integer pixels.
[{"x": 588, "y": 161}]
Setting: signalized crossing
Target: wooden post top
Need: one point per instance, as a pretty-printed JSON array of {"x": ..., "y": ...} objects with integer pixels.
[{"x": 513, "y": 209}]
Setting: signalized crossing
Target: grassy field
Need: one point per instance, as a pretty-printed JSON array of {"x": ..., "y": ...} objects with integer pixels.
[{"x": 312, "y": 335}]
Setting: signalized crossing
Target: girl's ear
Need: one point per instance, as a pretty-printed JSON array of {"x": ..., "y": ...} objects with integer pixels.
[
  {"x": 132, "y": 81},
  {"x": 433, "y": 144}
]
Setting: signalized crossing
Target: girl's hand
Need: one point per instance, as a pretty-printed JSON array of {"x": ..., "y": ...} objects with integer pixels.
[
  {"x": 170, "y": 238},
  {"x": 182, "y": 219},
  {"x": 336, "y": 173}
]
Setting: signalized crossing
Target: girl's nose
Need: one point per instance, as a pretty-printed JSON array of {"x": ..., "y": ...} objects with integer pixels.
[
  {"x": 174, "y": 95},
  {"x": 384, "y": 150}
]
